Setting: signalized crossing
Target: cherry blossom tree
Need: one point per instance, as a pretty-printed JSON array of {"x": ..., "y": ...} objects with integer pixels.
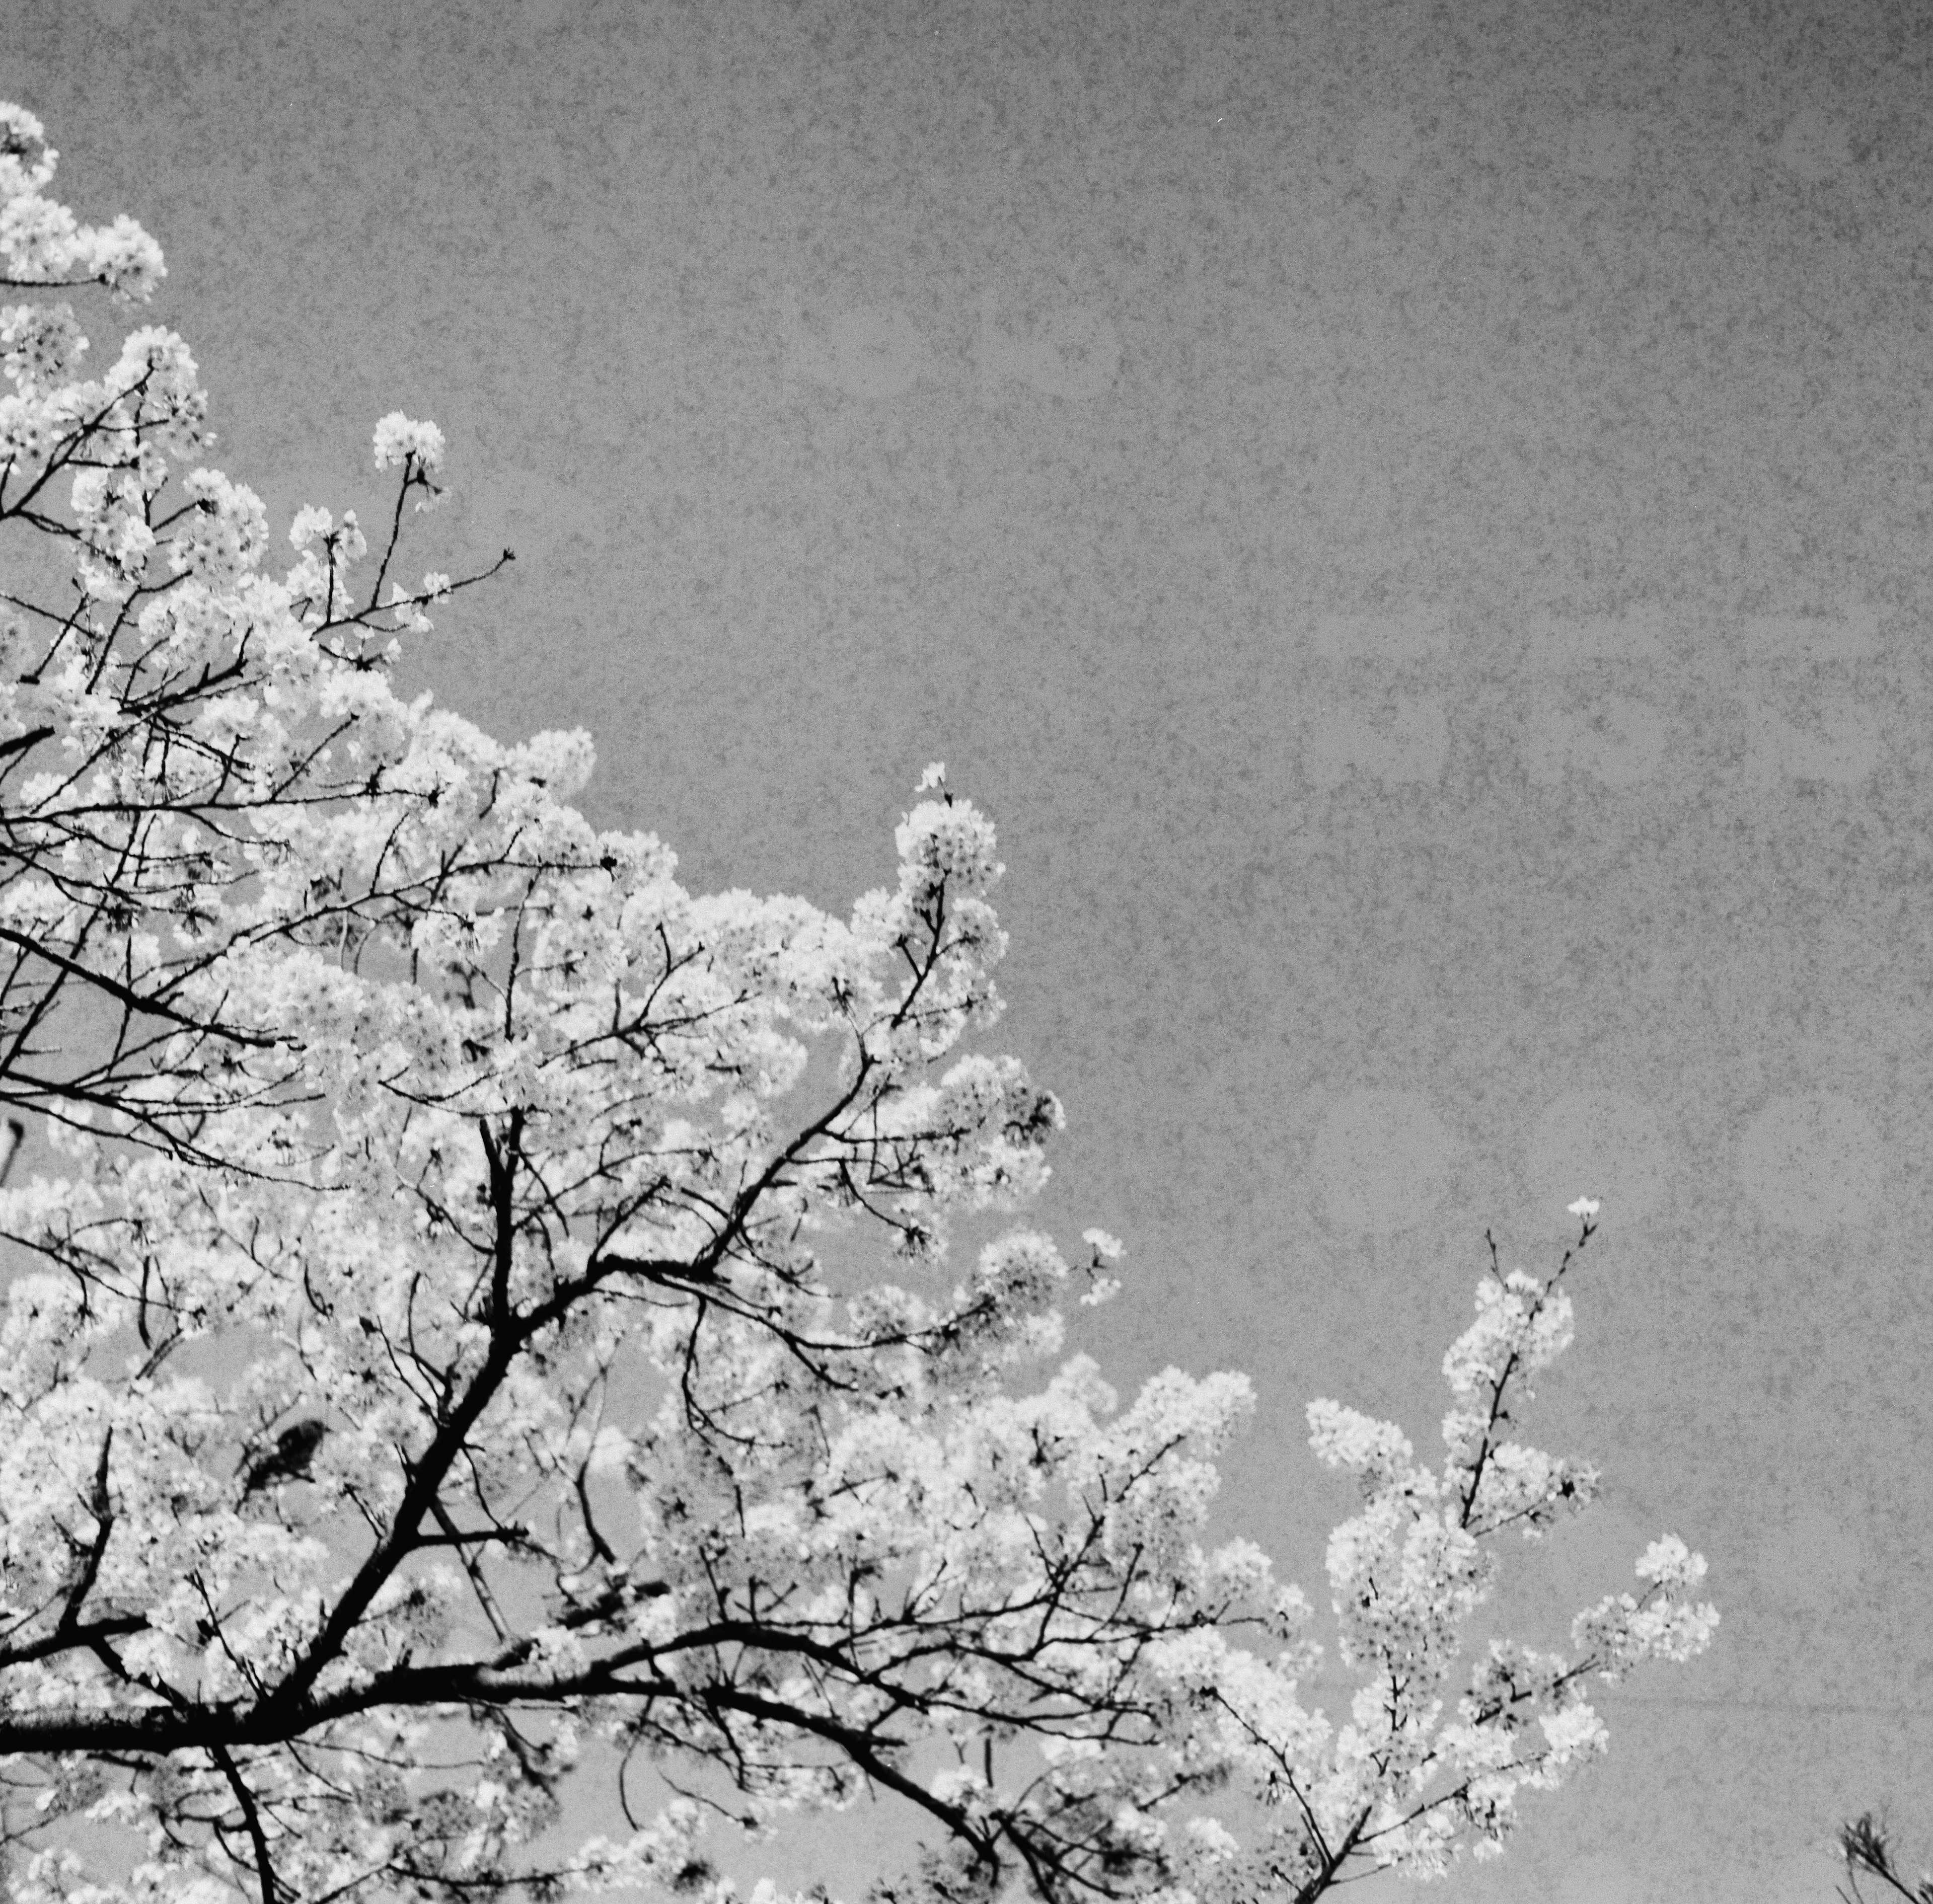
[{"x": 494, "y": 1331}]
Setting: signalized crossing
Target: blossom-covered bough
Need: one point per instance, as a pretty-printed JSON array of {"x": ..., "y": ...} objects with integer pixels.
[
  {"x": 494, "y": 1326},
  {"x": 169, "y": 714}
]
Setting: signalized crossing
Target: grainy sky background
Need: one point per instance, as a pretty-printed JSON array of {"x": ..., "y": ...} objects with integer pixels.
[{"x": 1412, "y": 518}]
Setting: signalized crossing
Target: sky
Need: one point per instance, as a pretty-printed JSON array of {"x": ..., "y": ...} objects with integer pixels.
[{"x": 1411, "y": 517}]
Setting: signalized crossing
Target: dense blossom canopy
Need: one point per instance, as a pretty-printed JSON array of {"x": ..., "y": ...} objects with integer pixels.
[{"x": 496, "y": 1312}]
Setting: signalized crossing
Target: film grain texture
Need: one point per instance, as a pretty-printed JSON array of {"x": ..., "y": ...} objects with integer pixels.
[{"x": 1413, "y": 518}]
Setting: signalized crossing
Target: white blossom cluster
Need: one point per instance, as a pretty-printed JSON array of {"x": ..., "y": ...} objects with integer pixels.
[
  {"x": 41, "y": 243},
  {"x": 496, "y": 1295}
]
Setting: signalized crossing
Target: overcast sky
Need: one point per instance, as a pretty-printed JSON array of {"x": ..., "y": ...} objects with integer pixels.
[{"x": 1413, "y": 520}]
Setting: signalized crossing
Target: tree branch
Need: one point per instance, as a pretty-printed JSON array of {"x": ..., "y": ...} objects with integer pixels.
[{"x": 264, "y": 1871}]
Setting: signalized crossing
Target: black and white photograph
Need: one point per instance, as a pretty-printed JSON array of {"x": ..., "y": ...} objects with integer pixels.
[{"x": 965, "y": 951}]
